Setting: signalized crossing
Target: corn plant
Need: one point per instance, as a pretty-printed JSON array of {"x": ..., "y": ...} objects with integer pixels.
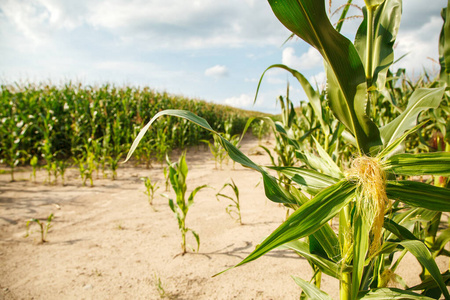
[
  {"x": 86, "y": 165},
  {"x": 177, "y": 174},
  {"x": 376, "y": 211},
  {"x": 12, "y": 133},
  {"x": 43, "y": 227},
  {"x": 217, "y": 151},
  {"x": 234, "y": 209},
  {"x": 34, "y": 163},
  {"x": 151, "y": 189},
  {"x": 216, "y": 148},
  {"x": 61, "y": 168}
]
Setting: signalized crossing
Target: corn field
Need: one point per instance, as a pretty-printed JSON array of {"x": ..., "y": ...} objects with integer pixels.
[{"x": 93, "y": 127}]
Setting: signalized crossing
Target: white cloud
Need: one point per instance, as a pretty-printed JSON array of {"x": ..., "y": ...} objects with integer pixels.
[
  {"x": 242, "y": 101},
  {"x": 218, "y": 71},
  {"x": 306, "y": 61},
  {"x": 419, "y": 45},
  {"x": 151, "y": 24},
  {"x": 203, "y": 23}
]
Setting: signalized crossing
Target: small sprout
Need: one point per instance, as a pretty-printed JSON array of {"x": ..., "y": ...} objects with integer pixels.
[
  {"x": 44, "y": 227},
  {"x": 151, "y": 189},
  {"x": 234, "y": 209}
]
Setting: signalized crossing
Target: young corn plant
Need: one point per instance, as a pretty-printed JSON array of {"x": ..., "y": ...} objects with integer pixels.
[
  {"x": 375, "y": 210},
  {"x": 34, "y": 163},
  {"x": 234, "y": 209},
  {"x": 44, "y": 227},
  {"x": 151, "y": 189},
  {"x": 178, "y": 172},
  {"x": 217, "y": 151}
]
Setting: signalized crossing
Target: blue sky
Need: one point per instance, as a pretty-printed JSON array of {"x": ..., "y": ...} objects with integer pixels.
[{"x": 204, "y": 49}]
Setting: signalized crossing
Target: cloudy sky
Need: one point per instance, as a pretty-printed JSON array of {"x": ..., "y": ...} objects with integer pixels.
[{"x": 211, "y": 50}]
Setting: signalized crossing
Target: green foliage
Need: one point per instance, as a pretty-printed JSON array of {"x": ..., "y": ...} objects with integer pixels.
[
  {"x": 44, "y": 227},
  {"x": 177, "y": 174},
  {"x": 56, "y": 123},
  {"x": 234, "y": 209},
  {"x": 151, "y": 189},
  {"x": 34, "y": 163}
]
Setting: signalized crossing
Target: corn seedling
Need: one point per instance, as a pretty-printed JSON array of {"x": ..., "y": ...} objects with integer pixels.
[
  {"x": 43, "y": 227},
  {"x": 376, "y": 211},
  {"x": 234, "y": 209},
  {"x": 217, "y": 151},
  {"x": 151, "y": 189},
  {"x": 159, "y": 286},
  {"x": 34, "y": 164},
  {"x": 177, "y": 174},
  {"x": 167, "y": 179}
]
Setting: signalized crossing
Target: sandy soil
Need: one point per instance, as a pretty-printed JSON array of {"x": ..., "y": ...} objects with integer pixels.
[{"x": 107, "y": 242}]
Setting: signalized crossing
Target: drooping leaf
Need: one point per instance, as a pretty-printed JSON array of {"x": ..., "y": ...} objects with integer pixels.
[
  {"x": 273, "y": 191},
  {"x": 430, "y": 283},
  {"x": 421, "y": 100},
  {"x": 423, "y": 255},
  {"x": 401, "y": 232},
  {"x": 308, "y": 218},
  {"x": 325, "y": 265},
  {"x": 419, "y": 194},
  {"x": 433, "y": 163},
  {"x": 312, "y": 291},
  {"x": 345, "y": 71},
  {"x": 313, "y": 96}
]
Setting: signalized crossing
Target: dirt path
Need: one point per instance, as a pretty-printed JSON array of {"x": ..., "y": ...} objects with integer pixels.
[{"x": 106, "y": 242}]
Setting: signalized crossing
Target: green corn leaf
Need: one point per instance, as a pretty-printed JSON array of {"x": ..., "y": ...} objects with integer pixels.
[
  {"x": 361, "y": 230},
  {"x": 401, "y": 232},
  {"x": 434, "y": 163},
  {"x": 312, "y": 291},
  {"x": 313, "y": 96},
  {"x": 423, "y": 255},
  {"x": 325, "y": 265},
  {"x": 394, "y": 145},
  {"x": 442, "y": 240},
  {"x": 391, "y": 293},
  {"x": 308, "y": 218},
  {"x": 273, "y": 191},
  {"x": 329, "y": 242},
  {"x": 194, "y": 192},
  {"x": 386, "y": 23},
  {"x": 430, "y": 283},
  {"x": 197, "y": 238},
  {"x": 333, "y": 168},
  {"x": 421, "y": 100},
  {"x": 345, "y": 71},
  {"x": 419, "y": 194},
  {"x": 312, "y": 181},
  {"x": 325, "y": 235},
  {"x": 320, "y": 163}
]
